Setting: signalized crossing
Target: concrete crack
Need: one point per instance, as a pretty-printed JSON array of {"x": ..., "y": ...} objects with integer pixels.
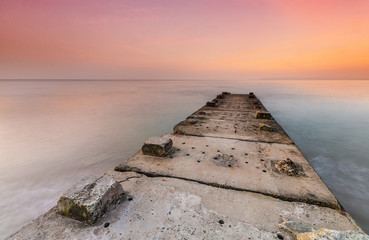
[
  {"x": 224, "y": 186},
  {"x": 237, "y": 139},
  {"x": 125, "y": 180}
]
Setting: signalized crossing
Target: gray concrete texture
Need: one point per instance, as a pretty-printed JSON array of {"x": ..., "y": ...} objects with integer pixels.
[{"x": 170, "y": 208}]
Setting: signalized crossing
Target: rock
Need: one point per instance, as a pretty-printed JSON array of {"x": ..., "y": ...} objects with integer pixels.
[
  {"x": 328, "y": 234},
  {"x": 263, "y": 115},
  {"x": 211, "y": 104},
  {"x": 88, "y": 200},
  {"x": 257, "y": 107},
  {"x": 251, "y": 95},
  {"x": 295, "y": 227},
  {"x": 226, "y": 93},
  {"x": 191, "y": 121},
  {"x": 265, "y": 127},
  {"x": 302, "y": 231},
  {"x": 157, "y": 146},
  {"x": 287, "y": 167},
  {"x": 220, "y": 96}
]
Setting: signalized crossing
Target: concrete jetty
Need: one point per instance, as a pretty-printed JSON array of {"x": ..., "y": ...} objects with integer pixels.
[{"x": 229, "y": 171}]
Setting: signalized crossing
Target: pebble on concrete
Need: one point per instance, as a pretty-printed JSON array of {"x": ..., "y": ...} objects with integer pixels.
[
  {"x": 157, "y": 146},
  {"x": 265, "y": 127},
  {"x": 263, "y": 115},
  {"x": 287, "y": 167},
  {"x": 88, "y": 200}
]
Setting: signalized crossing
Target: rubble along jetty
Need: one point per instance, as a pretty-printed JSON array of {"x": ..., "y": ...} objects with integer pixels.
[{"x": 229, "y": 171}]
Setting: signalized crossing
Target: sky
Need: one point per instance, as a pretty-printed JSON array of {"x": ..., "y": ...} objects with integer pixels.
[{"x": 189, "y": 39}]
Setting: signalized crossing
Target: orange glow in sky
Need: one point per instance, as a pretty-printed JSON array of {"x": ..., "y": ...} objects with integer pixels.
[{"x": 172, "y": 39}]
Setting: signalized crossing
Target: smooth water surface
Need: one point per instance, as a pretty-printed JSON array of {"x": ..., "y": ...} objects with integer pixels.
[{"x": 53, "y": 133}]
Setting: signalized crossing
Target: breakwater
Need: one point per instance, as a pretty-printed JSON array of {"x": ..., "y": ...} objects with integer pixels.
[{"x": 228, "y": 171}]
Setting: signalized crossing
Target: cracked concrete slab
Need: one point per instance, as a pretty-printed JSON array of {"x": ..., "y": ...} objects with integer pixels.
[
  {"x": 243, "y": 130},
  {"x": 235, "y": 164},
  {"x": 168, "y": 208},
  {"x": 222, "y": 115}
]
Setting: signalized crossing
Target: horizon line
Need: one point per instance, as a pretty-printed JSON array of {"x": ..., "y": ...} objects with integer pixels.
[{"x": 179, "y": 79}]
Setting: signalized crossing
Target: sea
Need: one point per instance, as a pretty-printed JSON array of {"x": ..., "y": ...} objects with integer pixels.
[{"x": 55, "y": 132}]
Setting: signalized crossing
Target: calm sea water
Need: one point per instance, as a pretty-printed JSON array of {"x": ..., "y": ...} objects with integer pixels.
[{"x": 53, "y": 133}]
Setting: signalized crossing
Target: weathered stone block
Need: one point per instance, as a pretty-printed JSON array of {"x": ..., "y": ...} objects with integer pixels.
[
  {"x": 263, "y": 115},
  {"x": 251, "y": 95},
  {"x": 295, "y": 227},
  {"x": 220, "y": 96},
  {"x": 211, "y": 104},
  {"x": 226, "y": 93},
  {"x": 157, "y": 146},
  {"x": 265, "y": 127},
  {"x": 88, "y": 200}
]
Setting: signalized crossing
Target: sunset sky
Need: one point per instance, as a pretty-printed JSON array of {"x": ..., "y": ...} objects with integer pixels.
[{"x": 189, "y": 39}]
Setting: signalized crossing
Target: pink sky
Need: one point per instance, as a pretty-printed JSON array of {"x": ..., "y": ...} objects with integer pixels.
[{"x": 192, "y": 39}]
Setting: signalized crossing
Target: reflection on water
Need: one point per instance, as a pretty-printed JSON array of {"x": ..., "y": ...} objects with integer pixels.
[{"x": 54, "y": 133}]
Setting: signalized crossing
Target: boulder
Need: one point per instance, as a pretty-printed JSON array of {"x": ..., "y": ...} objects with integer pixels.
[
  {"x": 157, "y": 146},
  {"x": 88, "y": 200}
]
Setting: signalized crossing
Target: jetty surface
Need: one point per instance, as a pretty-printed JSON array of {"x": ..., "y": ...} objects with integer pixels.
[{"x": 229, "y": 171}]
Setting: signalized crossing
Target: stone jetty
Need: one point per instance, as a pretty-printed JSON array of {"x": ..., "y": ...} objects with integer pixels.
[{"x": 228, "y": 171}]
